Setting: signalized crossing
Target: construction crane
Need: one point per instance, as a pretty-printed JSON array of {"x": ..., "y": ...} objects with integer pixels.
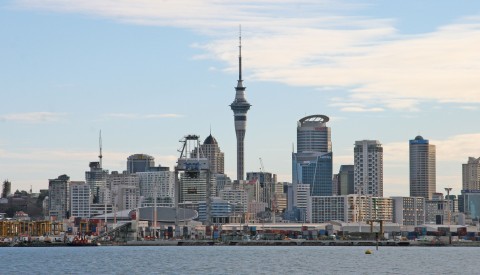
[{"x": 192, "y": 166}]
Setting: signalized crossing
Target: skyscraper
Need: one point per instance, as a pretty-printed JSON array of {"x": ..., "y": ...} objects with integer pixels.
[
  {"x": 471, "y": 174},
  {"x": 96, "y": 178},
  {"x": 422, "y": 168},
  {"x": 159, "y": 184},
  {"x": 312, "y": 164},
  {"x": 345, "y": 180},
  {"x": 211, "y": 151},
  {"x": 58, "y": 197},
  {"x": 267, "y": 183},
  {"x": 240, "y": 107},
  {"x": 139, "y": 163},
  {"x": 368, "y": 168},
  {"x": 80, "y": 199},
  {"x": 313, "y": 135}
]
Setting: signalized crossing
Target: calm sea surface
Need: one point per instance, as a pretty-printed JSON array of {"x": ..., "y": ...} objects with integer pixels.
[{"x": 239, "y": 260}]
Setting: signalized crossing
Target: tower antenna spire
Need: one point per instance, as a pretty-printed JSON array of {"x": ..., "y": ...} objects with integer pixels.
[
  {"x": 240, "y": 52},
  {"x": 100, "y": 145}
]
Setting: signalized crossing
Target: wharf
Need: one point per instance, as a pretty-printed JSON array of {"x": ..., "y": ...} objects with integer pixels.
[
  {"x": 264, "y": 243},
  {"x": 293, "y": 242}
]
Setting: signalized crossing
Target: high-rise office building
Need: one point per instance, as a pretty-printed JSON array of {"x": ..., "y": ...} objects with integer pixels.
[
  {"x": 267, "y": 183},
  {"x": 96, "y": 178},
  {"x": 422, "y": 168},
  {"x": 193, "y": 190},
  {"x": 223, "y": 181},
  {"x": 125, "y": 189},
  {"x": 159, "y": 184},
  {"x": 312, "y": 164},
  {"x": 126, "y": 197},
  {"x": 80, "y": 199},
  {"x": 240, "y": 107},
  {"x": 59, "y": 197},
  {"x": 116, "y": 179},
  {"x": 139, "y": 163},
  {"x": 313, "y": 135},
  {"x": 368, "y": 168},
  {"x": 211, "y": 151},
  {"x": 471, "y": 174},
  {"x": 345, "y": 183}
]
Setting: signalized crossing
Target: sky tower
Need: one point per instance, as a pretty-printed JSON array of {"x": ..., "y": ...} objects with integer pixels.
[{"x": 240, "y": 107}]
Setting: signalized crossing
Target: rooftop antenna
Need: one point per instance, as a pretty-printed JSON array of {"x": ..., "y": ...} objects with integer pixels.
[{"x": 100, "y": 144}]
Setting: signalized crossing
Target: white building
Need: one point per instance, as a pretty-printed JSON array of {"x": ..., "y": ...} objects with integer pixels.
[
  {"x": 302, "y": 194},
  {"x": 471, "y": 174},
  {"x": 252, "y": 188},
  {"x": 349, "y": 208},
  {"x": 160, "y": 184},
  {"x": 195, "y": 189},
  {"x": 124, "y": 190},
  {"x": 127, "y": 197},
  {"x": 237, "y": 198},
  {"x": 437, "y": 210},
  {"x": 80, "y": 199},
  {"x": 368, "y": 168},
  {"x": 409, "y": 210}
]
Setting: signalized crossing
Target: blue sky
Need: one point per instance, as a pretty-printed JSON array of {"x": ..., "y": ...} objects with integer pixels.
[{"x": 148, "y": 72}]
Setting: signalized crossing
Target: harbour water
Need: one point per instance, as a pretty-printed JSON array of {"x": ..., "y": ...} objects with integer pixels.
[{"x": 239, "y": 260}]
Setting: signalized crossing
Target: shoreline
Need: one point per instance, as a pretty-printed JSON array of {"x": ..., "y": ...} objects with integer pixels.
[{"x": 366, "y": 243}]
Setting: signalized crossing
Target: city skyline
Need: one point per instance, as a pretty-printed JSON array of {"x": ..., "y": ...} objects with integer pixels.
[{"x": 146, "y": 75}]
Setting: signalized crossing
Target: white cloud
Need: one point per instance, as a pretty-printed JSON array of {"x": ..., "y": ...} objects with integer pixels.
[
  {"x": 355, "y": 107},
  {"x": 361, "y": 109},
  {"x": 33, "y": 117},
  {"x": 317, "y": 44},
  {"x": 458, "y": 148},
  {"x": 470, "y": 108},
  {"x": 141, "y": 116}
]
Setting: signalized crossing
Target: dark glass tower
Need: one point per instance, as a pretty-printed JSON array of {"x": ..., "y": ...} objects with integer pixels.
[
  {"x": 422, "y": 168},
  {"x": 312, "y": 164},
  {"x": 240, "y": 107}
]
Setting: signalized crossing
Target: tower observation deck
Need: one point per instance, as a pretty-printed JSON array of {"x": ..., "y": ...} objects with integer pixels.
[{"x": 240, "y": 107}]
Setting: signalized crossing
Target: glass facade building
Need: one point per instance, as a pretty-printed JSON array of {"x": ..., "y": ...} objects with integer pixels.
[
  {"x": 314, "y": 169},
  {"x": 312, "y": 163},
  {"x": 471, "y": 203}
]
